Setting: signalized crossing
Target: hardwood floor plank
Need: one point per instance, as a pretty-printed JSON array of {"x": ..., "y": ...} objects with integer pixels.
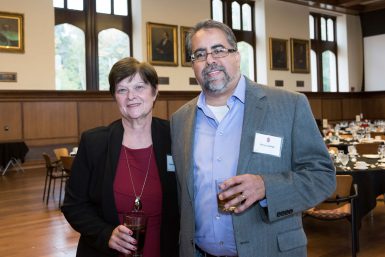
[{"x": 29, "y": 227}]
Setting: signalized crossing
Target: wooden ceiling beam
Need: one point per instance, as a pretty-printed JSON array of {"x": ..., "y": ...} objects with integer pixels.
[{"x": 354, "y": 7}]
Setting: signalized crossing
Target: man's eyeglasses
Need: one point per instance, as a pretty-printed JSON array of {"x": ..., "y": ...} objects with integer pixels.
[{"x": 201, "y": 55}]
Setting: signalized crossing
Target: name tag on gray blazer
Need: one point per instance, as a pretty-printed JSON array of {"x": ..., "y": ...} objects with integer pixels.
[{"x": 267, "y": 144}]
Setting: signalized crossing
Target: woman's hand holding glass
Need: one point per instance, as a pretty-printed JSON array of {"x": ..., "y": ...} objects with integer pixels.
[{"x": 121, "y": 240}]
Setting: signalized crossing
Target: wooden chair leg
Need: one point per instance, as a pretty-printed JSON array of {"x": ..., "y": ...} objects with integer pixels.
[
  {"x": 54, "y": 185},
  {"x": 355, "y": 239},
  {"x": 45, "y": 187},
  {"x": 49, "y": 189},
  {"x": 61, "y": 188}
]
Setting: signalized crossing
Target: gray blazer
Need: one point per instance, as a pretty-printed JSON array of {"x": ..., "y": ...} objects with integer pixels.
[{"x": 300, "y": 178}]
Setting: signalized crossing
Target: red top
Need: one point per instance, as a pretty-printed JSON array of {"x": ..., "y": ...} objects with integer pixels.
[{"x": 152, "y": 193}]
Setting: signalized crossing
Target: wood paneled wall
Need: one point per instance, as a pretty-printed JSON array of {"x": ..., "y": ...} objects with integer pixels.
[
  {"x": 59, "y": 117},
  {"x": 43, "y": 118},
  {"x": 345, "y": 106}
]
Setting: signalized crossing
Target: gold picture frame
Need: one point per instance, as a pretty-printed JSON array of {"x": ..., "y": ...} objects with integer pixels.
[
  {"x": 279, "y": 54},
  {"x": 185, "y": 56},
  {"x": 300, "y": 50},
  {"x": 162, "y": 44},
  {"x": 11, "y": 32}
]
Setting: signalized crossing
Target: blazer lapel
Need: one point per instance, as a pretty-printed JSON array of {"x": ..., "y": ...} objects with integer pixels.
[
  {"x": 254, "y": 115},
  {"x": 114, "y": 146},
  {"x": 160, "y": 144},
  {"x": 189, "y": 133}
]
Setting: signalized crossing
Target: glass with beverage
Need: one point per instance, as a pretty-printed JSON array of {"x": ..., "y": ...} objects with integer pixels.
[
  {"x": 344, "y": 159},
  {"x": 137, "y": 222},
  {"x": 221, "y": 203}
]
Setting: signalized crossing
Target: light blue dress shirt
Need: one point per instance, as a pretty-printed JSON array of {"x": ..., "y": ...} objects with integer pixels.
[{"x": 216, "y": 152}]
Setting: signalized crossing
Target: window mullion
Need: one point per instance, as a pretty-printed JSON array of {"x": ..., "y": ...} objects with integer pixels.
[{"x": 91, "y": 46}]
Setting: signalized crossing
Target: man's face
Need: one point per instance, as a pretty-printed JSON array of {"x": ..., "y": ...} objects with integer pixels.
[{"x": 215, "y": 75}]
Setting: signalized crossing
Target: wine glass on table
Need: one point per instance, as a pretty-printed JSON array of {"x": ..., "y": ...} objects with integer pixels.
[
  {"x": 344, "y": 159},
  {"x": 352, "y": 150},
  {"x": 381, "y": 151}
]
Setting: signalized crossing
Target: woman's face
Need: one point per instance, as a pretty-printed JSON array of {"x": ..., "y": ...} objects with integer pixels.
[{"x": 135, "y": 98}]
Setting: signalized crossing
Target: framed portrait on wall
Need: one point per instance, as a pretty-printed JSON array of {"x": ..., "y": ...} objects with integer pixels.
[
  {"x": 162, "y": 44},
  {"x": 11, "y": 32},
  {"x": 278, "y": 54},
  {"x": 185, "y": 56},
  {"x": 300, "y": 55}
]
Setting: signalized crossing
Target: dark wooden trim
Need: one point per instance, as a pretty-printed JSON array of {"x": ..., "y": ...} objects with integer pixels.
[
  {"x": 372, "y": 23},
  {"x": 7, "y": 95},
  {"x": 54, "y": 95}
]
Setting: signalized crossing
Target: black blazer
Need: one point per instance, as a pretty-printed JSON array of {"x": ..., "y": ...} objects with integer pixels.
[{"x": 89, "y": 204}]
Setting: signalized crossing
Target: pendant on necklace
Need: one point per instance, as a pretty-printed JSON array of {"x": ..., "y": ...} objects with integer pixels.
[{"x": 137, "y": 204}]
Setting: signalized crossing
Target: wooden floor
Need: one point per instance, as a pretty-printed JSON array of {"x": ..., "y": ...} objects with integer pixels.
[{"x": 30, "y": 228}]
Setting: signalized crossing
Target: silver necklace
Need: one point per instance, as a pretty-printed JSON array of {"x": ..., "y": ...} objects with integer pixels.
[{"x": 137, "y": 202}]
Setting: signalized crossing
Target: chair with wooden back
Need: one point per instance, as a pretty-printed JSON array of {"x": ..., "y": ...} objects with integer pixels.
[
  {"x": 53, "y": 171},
  {"x": 333, "y": 150},
  {"x": 59, "y": 152},
  {"x": 367, "y": 148},
  {"x": 340, "y": 205},
  {"x": 66, "y": 162},
  {"x": 380, "y": 134}
]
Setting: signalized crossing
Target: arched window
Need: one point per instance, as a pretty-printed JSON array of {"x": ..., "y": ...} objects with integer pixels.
[
  {"x": 236, "y": 15},
  {"x": 330, "y": 30},
  {"x": 311, "y": 27},
  {"x": 324, "y": 52},
  {"x": 329, "y": 71},
  {"x": 93, "y": 17},
  {"x": 323, "y": 29},
  {"x": 247, "y": 59},
  {"x": 217, "y": 10},
  {"x": 75, "y": 4},
  {"x": 313, "y": 70},
  {"x": 70, "y": 60},
  {"x": 241, "y": 20},
  {"x": 112, "y": 47},
  {"x": 246, "y": 17}
]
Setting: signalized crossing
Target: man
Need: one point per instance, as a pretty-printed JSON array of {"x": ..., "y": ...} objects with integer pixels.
[{"x": 264, "y": 140}]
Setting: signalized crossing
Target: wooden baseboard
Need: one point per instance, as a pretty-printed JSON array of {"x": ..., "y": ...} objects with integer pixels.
[{"x": 33, "y": 164}]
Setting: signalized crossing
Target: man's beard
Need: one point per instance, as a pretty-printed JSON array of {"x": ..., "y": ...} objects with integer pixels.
[{"x": 210, "y": 84}]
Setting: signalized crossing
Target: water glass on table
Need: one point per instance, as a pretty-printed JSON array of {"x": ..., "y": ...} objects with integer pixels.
[
  {"x": 352, "y": 150},
  {"x": 381, "y": 151},
  {"x": 136, "y": 221},
  {"x": 344, "y": 159},
  {"x": 338, "y": 159}
]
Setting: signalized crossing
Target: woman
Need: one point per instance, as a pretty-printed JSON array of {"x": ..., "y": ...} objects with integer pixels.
[{"x": 123, "y": 167}]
